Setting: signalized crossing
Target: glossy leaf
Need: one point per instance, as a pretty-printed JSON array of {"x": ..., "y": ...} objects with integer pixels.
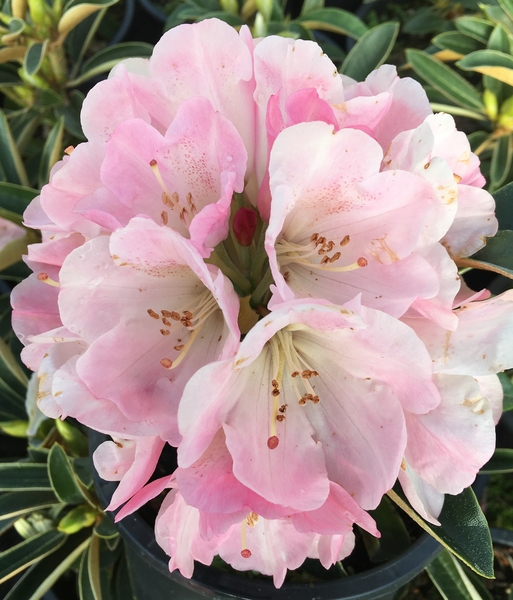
[
  {"x": 450, "y": 579},
  {"x": 444, "y": 79},
  {"x": 498, "y": 40},
  {"x": 108, "y": 58},
  {"x": 23, "y": 477},
  {"x": 29, "y": 551},
  {"x": 10, "y": 158},
  {"x": 16, "y": 28},
  {"x": 493, "y": 63},
  {"x": 80, "y": 38},
  {"x": 463, "y": 530},
  {"x": 497, "y": 15},
  {"x": 65, "y": 484},
  {"x": 76, "y": 12},
  {"x": 501, "y": 160},
  {"x": 78, "y": 518},
  {"x": 13, "y": 504},
  {"x": 43, "y": 575},
  {"x": 311, "y": 5},
  {"x": 71, "y": 114},
  {"x": 34, "y": 57},
  {"x": 105, "y": 528},
  {"x": 479, "y": 29},
  {"x": 501, "y": 462},
  {"x": 457, "y": 42},
  {"x": 88, "y": 579},
  {"x": 52, "y": 151},
  {"x": 507, "y": 7},
  {"x": 507, "y": 388},
  {"x": 496, "y": 256},
  {"x": 370, "y": 51},
  {"x": 335, "y": 20}
]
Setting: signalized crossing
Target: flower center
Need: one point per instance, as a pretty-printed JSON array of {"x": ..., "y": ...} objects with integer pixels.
[
  {"x": 190, "y": 318},
  {"x": 286, "y": 358},
  {"x": 319, "y": 253},
  {"x": 172, "y": 200}
]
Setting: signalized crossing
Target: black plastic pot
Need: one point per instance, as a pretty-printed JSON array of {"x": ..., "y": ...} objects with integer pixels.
[{"x": 151, "y": 579}]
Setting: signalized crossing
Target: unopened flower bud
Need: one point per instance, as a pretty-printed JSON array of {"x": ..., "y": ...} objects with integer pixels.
[
  {"x": 78, "y": 518},
  {"x": 259, "y": 27},
  {"x": 265, "y": 7},
  {"x": 491, "y": 104},
  {"x": 244, "y": 226}
]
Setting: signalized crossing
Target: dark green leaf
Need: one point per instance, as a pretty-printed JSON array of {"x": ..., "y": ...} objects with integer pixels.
[
  {"x": 496, "y": 256},
  {"x": 463, "y": 530},
  {"x": 18, "y": 503},
  {"x": 311, "y": 5},
  {"x": 105, "y": 528},
  {"x": 9, "y": 75},
  {"x": 457, "y": 42},
  {"x": 479, "y": 29},
  {"x": 83, "y": 470},
  {"x": 52, "y": 151},
  {"x": 85, "y": 588},
  {"x": 29, "y": 551},
  {"x": 497, "y": 15},
  {"x": 106, "y": 59},
  {"x": 46, "y": 98},
  {"x": 499, "y": 40},
  {"x": 507, "y": 7},
  {"x": 501, "y": 462},
  {"x": 34, "y": 57},
  {"x": 9, "y": 156},
  {"x": 335, "y": 20},
  {"x": 444, "y": 79},
  {"x": 80, "y": 38},
  {"x": 65, "y": 484},
  {"x": 507, "y": 387},
  {"x": 489, "y": 62},
  {"x": 370, "y": 51},
  {"x": 394, "y": 539},
  {"x": 24, "y": 476},
  {"x": 43, "y": 575},
  {"x": 450, "y": 579},
  {"x": 425, "y": 20},
  {"x": 71, "y": 114},
  {"x": 501, "y": 160}
]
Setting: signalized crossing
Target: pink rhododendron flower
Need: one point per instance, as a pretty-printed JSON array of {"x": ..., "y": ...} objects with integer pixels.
[{"x": 254, "y": 259}]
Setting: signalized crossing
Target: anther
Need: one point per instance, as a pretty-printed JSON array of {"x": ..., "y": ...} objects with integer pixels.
[
  {"x": 325, "y": 259},
  {"x": 46, "y": 279},
  {"x": 187, "y": 314},
  {"x": 302, "y": 401},
  {"x": 178, "y": 347},
  {"x": 152, "y": 313},
  {"x": 335, "y": 257},
  {"x": 167, "y": 363},
  {"x": 313, "y": 237},
  {"x": 175, "y": 316},
  {"x": 306, "y": 374},
  {"x": 345, "y": 240},
  {"x": 166, "y": 322},
  {"x": 283, "y": 408},
  {"x": 165, "y": 331},
  {"x": 295, "y": 374},
  {"x": 165, "y": 217},
  {"x": 280, "y": 418},
  {"x": 274, "y": 383},
  {"x": 273, "y": 442},
  {"x": 69, "y": 150},
  {"x": 276, "y": 392}
]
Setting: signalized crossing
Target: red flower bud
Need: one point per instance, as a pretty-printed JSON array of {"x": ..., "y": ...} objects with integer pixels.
[{"x": 244, "y": 226}]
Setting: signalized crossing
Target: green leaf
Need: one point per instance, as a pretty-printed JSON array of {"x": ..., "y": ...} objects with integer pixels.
[
  {"x": 501, "y": 160},
  {"x": 29, "y": 551},
  {"x": 507, "y": 388},
  {"x": 14, "y": 504},
  {"x": 71, "y": 114},
  {"x": 89, "y": 574},
  {"x": 76, "y": 11},
  {"x": 78, "y": 518},
  {"x": 65, "y": 484},
  {"x": 450, "y": 579},
  {"x": 34, "y": 57},
  {"x": 11, "y": 372},
  {"x": 425, "y": 20},
  {"x": 80, "y": 38},
  {"x": 463, "y": 530},
  {"x": 444, "y": 79},
  {"x": 457, "y": 42},
  {"x": 23, "y": 477},
  {"x": 10, "y": 158},
  {"x": 43, "y": 575},
  {"x": 335, "y": 20},
  {"x": 108, "y": 58},
  {"x": 105, "y": 528},
  {"x": 499, "y": 40},
  {"x": 503, "y": 206},
  {"x": 479, "y": 29},
  {"x": 507, "y": 7},
  {"x": 394, "y": 539},
  {"x": 496, "y": 256},
  {"x": 52, "y": 151},
  {"x": 497, "y": 15},
  {"x": 493, "y": 63},
  {"x": 370, "y": 51},
  {"x": 501, "y": 462},
  {"x": 311, "y": 6}
]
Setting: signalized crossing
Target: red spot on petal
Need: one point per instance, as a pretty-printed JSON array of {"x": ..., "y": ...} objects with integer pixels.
[
  {"x": 273, "y": 442},
  {"x": 245, "y": 553}
]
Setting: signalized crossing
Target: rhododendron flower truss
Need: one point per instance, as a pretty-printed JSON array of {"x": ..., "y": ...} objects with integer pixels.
[{"x": 314, "y": 394}]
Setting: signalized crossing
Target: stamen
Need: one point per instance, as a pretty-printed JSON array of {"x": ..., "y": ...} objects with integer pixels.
[
  {"x": 46, "y": 279},
  {"x": 289, "y": 252},
  {"x": 152, "y": 314},
  {"x": 165, "y": 217},
  {"x": 345, "y": 240},
  {"x": 155, "y": 168},
  {"x": 245, "y": 552},
  {"x": 165, "y": 331},
  {"x": 167, "y": 363}
]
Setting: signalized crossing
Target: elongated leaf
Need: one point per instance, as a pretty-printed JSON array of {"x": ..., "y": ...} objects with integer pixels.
[
  {"x": 105, "y": 529},
  {"x": 499, "y": 40},
  {"x": 311, "y": 5},
  {"x": 496, "y": 256},
  {"x": 489, "y": 62},
  {"x": 335, "y": 20},
  {"x": 19, "y": 503},
  {"x": 507, "y": 388},
  {"x": 507, "y": 7},
  {"x": 66, "y": 486},
  {"x": 43, "y": 575},
  {"x": 370, "y": 51},
  {"x": 457, "y": 42},
  {"x": 463, "y": 530},
  {"x": 501, "y": 160},
  {"x": 503, "y": 206},
  {"x": 28, "y": 552},
  {"x": 497, "y": 15},
  {"x": 34, "y": 57},
  {"x": 444, "y": 79},
  {"x": 108, "y": 58},
  {"x": 479, "y": 29},
  {"x": 11, "y": 372},
  {"x": 80, "y": 38},
  {"x": 16, "y": 27},
  {"x": 450, "y": 579},
  {"x": 52, "y": 151},
  {"x": 24, "y": 477},
  {"x": 88, "y": 580},
  {"x": 77, "y": 12},
  {"x": 9, "y": 156},
  {"x": 501, "y": 462}
]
